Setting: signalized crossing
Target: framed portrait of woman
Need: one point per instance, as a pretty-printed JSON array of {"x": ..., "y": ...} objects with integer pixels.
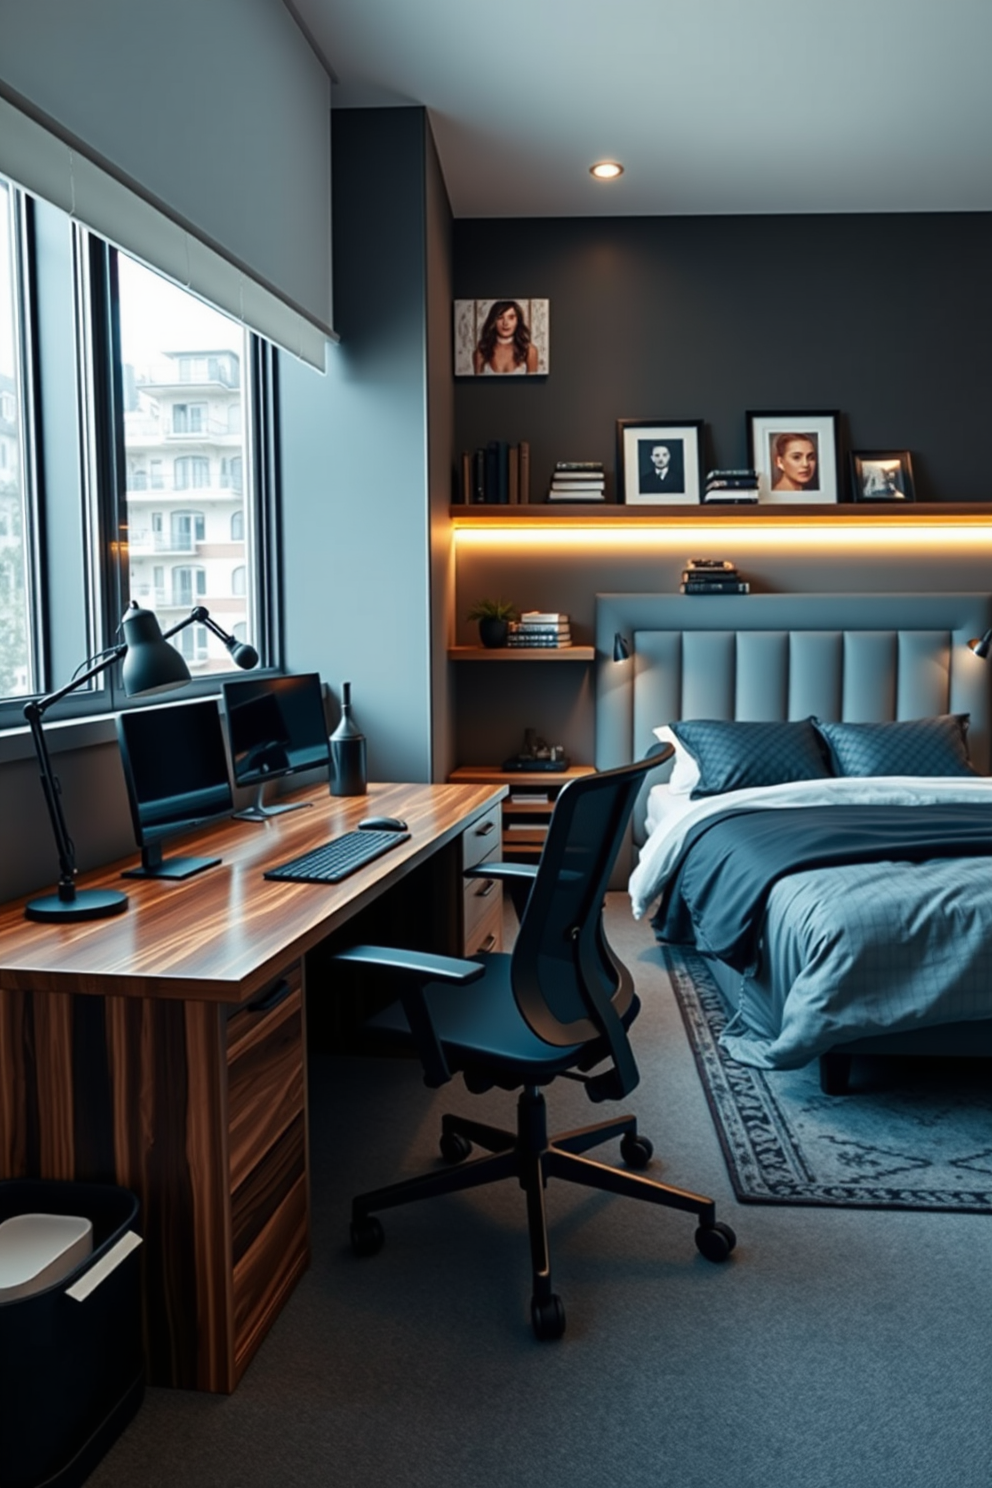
[
  {"x": 795, "y": 456},
  {"x": 502, "y": 338}
]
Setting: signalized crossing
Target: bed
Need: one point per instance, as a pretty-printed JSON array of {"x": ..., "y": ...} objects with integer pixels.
[{"x": 872, "y": 932}]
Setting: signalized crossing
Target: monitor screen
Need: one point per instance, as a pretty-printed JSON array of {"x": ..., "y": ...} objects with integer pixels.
[
  {"x": 276, "y": 726},
  {"x": 175, "y": 767}
]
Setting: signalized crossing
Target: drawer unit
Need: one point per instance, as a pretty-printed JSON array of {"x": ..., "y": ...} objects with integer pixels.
[
  {"x": 487, "y": 933},
  {"x": 482, "y": 898},
  {"x": 479, "y": 895},
  {"x": 482, "y": 838}
]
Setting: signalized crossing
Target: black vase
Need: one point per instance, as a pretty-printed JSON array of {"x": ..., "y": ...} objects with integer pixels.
[
  {"x": 348, "y": 775},
  {"x": 493, "y": 632}
]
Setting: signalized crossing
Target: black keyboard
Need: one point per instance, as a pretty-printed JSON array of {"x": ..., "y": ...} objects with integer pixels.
[{"x": 335, "y": 860}]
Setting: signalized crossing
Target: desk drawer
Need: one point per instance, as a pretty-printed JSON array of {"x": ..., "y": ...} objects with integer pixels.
[
  {"x": 487, "y": 934},
  {"x": 480, "y": 894},
  {"x": 265, "y": 1083},
  {"x": 481, "y": 838}
]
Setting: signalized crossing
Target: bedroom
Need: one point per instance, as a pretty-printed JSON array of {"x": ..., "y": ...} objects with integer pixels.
[{"x": 937, "y": 318}]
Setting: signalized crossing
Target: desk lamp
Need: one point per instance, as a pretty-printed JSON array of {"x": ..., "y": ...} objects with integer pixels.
[{"x": 150, "y": 665}]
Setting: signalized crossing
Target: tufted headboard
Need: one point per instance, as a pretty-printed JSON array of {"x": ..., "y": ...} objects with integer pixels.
[{"x": 855, "y": 657}]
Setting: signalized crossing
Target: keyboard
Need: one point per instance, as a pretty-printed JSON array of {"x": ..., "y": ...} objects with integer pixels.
[{"x": 334, "y": 860}]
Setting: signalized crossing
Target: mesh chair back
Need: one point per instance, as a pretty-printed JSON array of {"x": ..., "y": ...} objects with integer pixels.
[{"x": 566, "y": 982}]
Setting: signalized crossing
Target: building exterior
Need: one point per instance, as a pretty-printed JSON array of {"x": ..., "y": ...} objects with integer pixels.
[{"x": 187, "y": 514}]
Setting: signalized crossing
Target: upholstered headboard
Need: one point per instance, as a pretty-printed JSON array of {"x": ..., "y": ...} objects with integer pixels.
[{"x": 854, "y": 657}]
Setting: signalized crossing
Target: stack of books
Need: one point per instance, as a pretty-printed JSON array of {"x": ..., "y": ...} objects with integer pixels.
[
  {"x": 731, "y": 487},
  {"x": 541, "y": 628},
  {"x": 712, "y": 576},
  {"x": 578, "y": 480},
  {"x": 496, "y": 475}
]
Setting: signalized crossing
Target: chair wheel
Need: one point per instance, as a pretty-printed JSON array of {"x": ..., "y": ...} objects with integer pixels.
[
  {"x": 547, "y": 1318},
  {"x": 715, "y": 1242},
  {"x": 366, "y": 1236},
  {"x": 454, "y": 1147},
  {"x": 636, "y": 1151}
]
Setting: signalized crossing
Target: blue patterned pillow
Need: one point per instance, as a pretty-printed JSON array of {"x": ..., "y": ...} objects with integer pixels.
[
  {"x": 732, "y": 756},
  {"x": 919, "y": 746}
]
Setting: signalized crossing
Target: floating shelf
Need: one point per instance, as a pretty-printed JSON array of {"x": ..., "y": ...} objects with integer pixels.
[
  {"x": 578, "y": 514},
  {"x": 521, "y": 653}
]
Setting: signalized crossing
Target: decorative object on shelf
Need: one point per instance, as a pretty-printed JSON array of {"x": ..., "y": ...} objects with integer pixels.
[
  {"x": 621, "y": 648},
  {"x": 538, "y": 629},
  {"x": 659, "y": 462},
  {"x": 537, "y": 755},
  {"x": 712, "y": 576},
  {"x": 737, "y": 487},
  {"x": 151, "y": 665},
  {"x": 882, "y": 475},
  {"x": 348, "y": 774},
  {"x": 494, "y": 616},
  {"x": 796, "y": 457},
  {"x": 578, "y": 480},
  {"x": 501, "y": 338}
]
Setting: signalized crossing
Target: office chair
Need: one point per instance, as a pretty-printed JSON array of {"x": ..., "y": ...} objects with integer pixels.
[{"x": 558, "y": 1006}]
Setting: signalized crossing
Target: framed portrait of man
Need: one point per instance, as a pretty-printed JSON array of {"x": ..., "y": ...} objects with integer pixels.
[
  {"x": 795, "y": 456},
  {"x": 658, "y": 463},
  {"x": 502, "y": 338}
]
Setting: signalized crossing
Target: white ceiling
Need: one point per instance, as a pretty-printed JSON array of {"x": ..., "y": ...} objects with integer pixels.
[{"x": 713, "y": 106}]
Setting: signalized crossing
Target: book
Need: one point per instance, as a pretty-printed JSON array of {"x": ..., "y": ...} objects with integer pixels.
[
  {"x": 710, "y": 586},
  {"x": 560, "y": 496},
  {"x": 547, "y": 617},
  {"x": 696, "y": 576},
  {"x": 465, "y": 490},
  {"x": 576, "y": 466},
  {"x": 479, "y": 476},
  {"x": 740, "y": 472},
  {"x": 733, "y": 483},
  {"x": 513, "y": 474},
  {"x": 524, "y": 448},
  {"x": 538, "y": 643},
  {"x": 563, "y": 485},
  {"x": 709, "y": 565},
  {"x": 730, "y": 498}
]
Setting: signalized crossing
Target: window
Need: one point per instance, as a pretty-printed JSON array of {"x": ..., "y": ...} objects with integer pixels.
[
  {"x": 230, "y": 473},
  {"x": 189, "y": 418},
  {"x": 17, "y": 632},
  {"x": 186, "y": 529},
  {"x": 192, "y": 643},
  {"x": 189, "y": 587},
  {"x": 238, "y": 581},
  {"x": 192, "y": 472},
  {"x": 237, "y": 526}
]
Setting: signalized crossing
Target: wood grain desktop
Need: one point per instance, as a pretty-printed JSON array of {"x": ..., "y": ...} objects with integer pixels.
[{"x": 165, "y": 1050}]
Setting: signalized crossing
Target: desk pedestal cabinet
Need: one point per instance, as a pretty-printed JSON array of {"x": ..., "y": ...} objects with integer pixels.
[{"x": 165, "y": 1051}]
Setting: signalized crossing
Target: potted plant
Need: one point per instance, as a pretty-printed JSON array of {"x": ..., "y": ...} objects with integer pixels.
[{"x": 494, "y": 616}]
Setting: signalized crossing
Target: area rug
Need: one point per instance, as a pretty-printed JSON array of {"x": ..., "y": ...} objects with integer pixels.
[{"x": 912, "y": 1134}]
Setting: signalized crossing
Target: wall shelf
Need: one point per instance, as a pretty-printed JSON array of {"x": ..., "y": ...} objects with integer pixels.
[
  {"x": 521, "y": 653},
  {"x": 575, "y": 514}
]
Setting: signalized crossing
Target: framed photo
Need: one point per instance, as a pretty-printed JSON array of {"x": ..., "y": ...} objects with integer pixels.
[
  {"x": 659, "y": 463},
  {"x": 882, "y": 475},
  {"x": 501, "y": 338},
  {"x": 795, "y": 455}
]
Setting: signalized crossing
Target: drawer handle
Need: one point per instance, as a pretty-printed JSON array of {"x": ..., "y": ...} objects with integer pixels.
[
  {"x": 271, "y": 999},
  {"x": 488, "y": 943},
  {"x": 485, "y": 829},
  {"x": 488, "y": 884}
]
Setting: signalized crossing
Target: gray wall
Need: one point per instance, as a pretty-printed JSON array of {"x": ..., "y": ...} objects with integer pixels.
[{"x": 356, "y": 461}]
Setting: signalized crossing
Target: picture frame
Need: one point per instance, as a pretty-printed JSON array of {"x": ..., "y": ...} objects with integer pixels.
[
  {"x": 882, "y": 475},
  {"x": 502, "y": 337},
  {"x": 796, "y": 456},
  {"x": 659, "y": 462}
]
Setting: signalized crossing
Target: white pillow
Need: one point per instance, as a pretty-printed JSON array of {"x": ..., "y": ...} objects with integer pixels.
[{"x": 685, "y": 771}]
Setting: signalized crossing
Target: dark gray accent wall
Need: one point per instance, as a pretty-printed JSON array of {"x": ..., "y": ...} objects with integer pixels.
[{"x": 886, "y": 318}]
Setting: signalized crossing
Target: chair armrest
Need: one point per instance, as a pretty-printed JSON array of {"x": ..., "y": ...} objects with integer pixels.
[
  {"x": 519, "y": 878},
  {"x": 421, "y": 964}
]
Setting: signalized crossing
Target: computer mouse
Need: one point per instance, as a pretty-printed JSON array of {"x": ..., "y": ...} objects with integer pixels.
[{"x": 382, "y": 824}]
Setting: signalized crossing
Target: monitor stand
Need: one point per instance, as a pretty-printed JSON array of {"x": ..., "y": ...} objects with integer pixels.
[
  {"x": 153, "y": 865},
  {"x": 259, "y": 812}
]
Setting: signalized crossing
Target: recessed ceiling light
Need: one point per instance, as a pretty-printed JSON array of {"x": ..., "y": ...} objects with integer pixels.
[{"x": 606, "y": 170}]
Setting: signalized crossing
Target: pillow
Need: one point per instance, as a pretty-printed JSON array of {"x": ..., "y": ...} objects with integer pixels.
[
  {"x": 685, "y": 771},
  {"x": 919, "y": 746},
  {"x": 732, "y": 756}
]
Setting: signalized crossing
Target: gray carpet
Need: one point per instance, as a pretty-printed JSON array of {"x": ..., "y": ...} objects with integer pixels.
[
  {"x": 912, "y": 1133},
  {"x": 836, "y": 1349}
]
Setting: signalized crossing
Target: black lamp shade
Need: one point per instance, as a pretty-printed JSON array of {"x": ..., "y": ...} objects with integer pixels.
[
  {"x": 982, "y": 645},
  {"x": 151, "y": 664},
  {"x": 621, "y": 648}
]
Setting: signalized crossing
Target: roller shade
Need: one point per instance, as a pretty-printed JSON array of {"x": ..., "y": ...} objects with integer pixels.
[{"x": 48, "y": 162}]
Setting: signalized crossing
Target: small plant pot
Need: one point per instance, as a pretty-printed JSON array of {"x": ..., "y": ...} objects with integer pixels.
[{"x": 493, "y": 632}]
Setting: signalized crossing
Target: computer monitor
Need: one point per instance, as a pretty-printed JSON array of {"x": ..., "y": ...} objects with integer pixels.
[
  {"x": 276, "y": 726},
  {"x": 175, "y": 768}
]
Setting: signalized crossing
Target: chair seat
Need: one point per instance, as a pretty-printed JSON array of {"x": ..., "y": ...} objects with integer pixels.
[{"x": 481, "y": 1024}]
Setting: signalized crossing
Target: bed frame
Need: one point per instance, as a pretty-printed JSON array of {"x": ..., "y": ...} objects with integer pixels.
[{"x": 858, "y": 658}]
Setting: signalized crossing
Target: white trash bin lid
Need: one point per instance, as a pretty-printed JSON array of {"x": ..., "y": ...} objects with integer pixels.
[{"x": 37, "y": 1250}]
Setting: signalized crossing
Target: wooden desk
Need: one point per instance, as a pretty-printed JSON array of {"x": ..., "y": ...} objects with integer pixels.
[{"x": 164, "y": 1050}]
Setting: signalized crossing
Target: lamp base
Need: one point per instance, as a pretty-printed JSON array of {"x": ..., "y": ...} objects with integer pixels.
[{"x": 88, "y": 904}]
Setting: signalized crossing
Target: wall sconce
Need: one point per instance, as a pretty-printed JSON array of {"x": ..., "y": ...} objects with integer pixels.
[
  {"x": 621, "y": 648},
  {"x": 982, "y": 645}
]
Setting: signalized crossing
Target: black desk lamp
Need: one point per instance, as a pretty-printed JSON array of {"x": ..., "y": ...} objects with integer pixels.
[{"x": 150, "y": 665}]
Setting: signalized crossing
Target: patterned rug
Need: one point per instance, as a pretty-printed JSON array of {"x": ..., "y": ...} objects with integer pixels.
[{"x": 912, "y": 1134}]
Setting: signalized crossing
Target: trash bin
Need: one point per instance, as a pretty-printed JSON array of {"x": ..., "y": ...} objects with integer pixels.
[{"x": 71, "y": 1365}]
